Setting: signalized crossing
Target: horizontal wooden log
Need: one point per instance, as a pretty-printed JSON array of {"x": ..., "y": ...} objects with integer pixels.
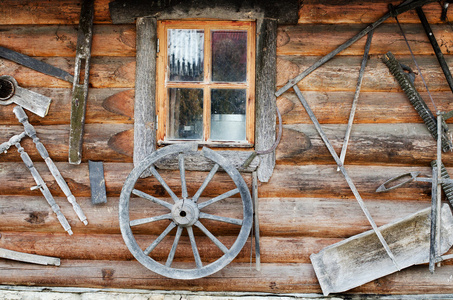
[
  {"x": 372, "y": 107},
  {"x": 369, "y": 144},
  {"x": 288, "y": 180},
  {"x": 341, "y": 73},
  {"x": 105, "y": 106},
  {"x": 325, "y": 181},
  {"x": 110, "y": 274},
  {"x": 292, "y": 218},
  {"x": 105, "y": 72},
  {"x": 321, "y": 39},
  {"x": 25, "y": 12},
  {"x": 96, "y": 146},
  {"x": 51, "y": 41},
  {"x": 273, "y": 278},
  {"x": 358, "y": 11},
  {"x": 18, "y": 12},
  {"x": 274, "y": 249}
]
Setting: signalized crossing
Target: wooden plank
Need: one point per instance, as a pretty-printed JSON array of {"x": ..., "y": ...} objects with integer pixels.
[
  {"x": 340, "y": 74},
  {"x": 373, "y": 107},
  {"x": 145, "y": 90},
  {"x": 359, "y": 11},
  {"x": 265, "y": 104},
  {"x": 41, "y": 12},
  {"x": 322, "y": 39},
  {"x": 51, "y": 41},
  {"x": 105, "y": 72}
]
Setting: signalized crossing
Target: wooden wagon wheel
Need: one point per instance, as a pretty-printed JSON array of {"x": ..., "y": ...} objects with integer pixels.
[{"x": 184, "y": 213}]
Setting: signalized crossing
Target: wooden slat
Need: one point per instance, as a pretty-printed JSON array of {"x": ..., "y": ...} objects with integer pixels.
[
  {"x": 340, "y": 74},
  {"x": 51, "y": 41},
  {"x": 359, "y": 11},
  {"x": 41, "y": 12},
  {"x": 105, "y": 72}
]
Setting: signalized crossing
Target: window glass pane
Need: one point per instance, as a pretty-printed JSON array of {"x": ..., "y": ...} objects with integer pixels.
[
  {"x": 229, "y": 56},
  {"x": 185, "y": 54},
  {"x": 228, "y": 114},
  {"x": 185, "y": 114}
]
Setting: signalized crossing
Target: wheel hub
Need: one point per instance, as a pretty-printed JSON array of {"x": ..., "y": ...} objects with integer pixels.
[{"x": 185, "y": 213}]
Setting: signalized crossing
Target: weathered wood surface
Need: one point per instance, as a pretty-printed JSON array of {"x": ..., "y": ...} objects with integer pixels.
[
  {"x": 145, "y": 125},
  {"x": 340, "y": 74},
  {"x": 105, "y": 72},
  {"x": 120, "y": 40},
  {"x": 359, "y": 11},
  {"x": 303, "y": 217},
  {"x": 322, "y": 39},
  {"x": 370, "y": 144},
  {"x": 372, "y": 107},
  {"x": 273, "y": 278},
  {"x": 57, "y": 40},
  {"x": 305, "y": 207},
  {"x": 116, "y": 105},
  {"x": 25, "y": 12}
]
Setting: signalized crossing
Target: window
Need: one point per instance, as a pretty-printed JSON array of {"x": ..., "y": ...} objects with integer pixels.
[{"x": 206, "y": 82}]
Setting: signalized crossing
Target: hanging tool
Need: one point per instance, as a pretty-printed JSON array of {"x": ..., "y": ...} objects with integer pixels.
[
  {"x": 356, "y": 97},
  {"x": 398, "y": 10},
  {"x": 11, "y": 92},
  {"x": 31, "y": 132},
  {"x": 80, "y": 90},
  {"x": 345, "y": 174},
  {"x": 35, "y": 64},
  {"x": 435, "y": 45},
  {"x": 40, "y": 184},
  {"x": 443, "y": 15},
  {"x": 417, "y": 101}
]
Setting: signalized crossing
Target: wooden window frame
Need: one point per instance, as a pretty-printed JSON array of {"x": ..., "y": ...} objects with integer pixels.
[
  {"x": 162, "y": 108},
  {"x": 145, "y": 141}
]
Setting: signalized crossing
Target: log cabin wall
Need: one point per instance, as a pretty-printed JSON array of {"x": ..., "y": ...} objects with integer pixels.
[{"x": 306, "y": 205}]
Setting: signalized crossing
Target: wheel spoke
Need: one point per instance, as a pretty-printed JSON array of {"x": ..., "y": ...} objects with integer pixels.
[
  {"x": 173, "y": 247},
  {"x": 194, "y": 248},
  {"x": 205, "y": 183},
  {"x": 151, "y": 198},
  {"x": 212, "y": 237},
  {"x": 149, "y": 220},
  {"x": 159, "y": 238},
  {"x": 162, "y": 182},
  {"x": 182, "y": 171},
  {"x": 221, "y": 219},
  {"x": 218, "y": 198}
]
